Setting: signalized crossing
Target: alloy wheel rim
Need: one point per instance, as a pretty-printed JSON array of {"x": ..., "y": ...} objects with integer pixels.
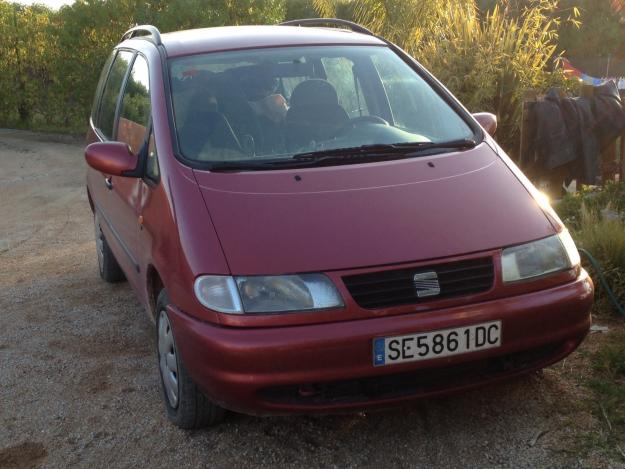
[{"x": 167, "y": 359}]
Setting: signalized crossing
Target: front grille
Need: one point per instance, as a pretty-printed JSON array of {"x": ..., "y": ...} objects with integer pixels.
[
  {"x": 397, "y": 287},
  {"x": 414, "y": 383}
]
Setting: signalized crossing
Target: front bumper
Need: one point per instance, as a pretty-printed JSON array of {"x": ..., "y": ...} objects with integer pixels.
[{"x": 328, "y": 367}]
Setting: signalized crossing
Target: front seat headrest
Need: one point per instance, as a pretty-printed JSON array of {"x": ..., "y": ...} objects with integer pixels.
[{"x": 314, "y": 93}]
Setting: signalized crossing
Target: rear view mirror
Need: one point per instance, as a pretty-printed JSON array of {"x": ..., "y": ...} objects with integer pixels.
[
  {"x": 112, "y": 158},
  {"x": 487, "y": 120}
]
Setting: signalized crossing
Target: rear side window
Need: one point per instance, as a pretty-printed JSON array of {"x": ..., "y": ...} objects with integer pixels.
[
  {"x": 112, "y": 88},
  {"x": 134, "y": 114}
]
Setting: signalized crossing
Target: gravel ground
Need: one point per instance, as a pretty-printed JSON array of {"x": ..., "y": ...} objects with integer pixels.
[{"x": 79, "y": 382}]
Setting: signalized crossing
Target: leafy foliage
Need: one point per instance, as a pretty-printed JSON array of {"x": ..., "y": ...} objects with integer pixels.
[
  {"x": 596, "y": 218},
  {"x": 50, "y": 60},
  {"x": 605, "y": 240},
  {"x": 24, "y": 67},
  {"x": 601, "y": 32},
  {"x": 594, "y": 200}
]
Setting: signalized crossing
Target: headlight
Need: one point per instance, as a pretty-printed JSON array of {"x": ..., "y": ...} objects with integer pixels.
[
  {"x": 540, "y": 257},
  {"x": 267, "y": 294}
]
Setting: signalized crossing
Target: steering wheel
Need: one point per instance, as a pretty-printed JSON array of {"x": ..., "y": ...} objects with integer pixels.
[{"x": 358, "y": 121}]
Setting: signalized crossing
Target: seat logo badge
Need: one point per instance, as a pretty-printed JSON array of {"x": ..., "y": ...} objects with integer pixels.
[{"x": 426, "y": 284}]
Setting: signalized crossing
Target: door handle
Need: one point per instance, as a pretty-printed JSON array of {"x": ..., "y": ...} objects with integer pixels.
[{"x": 108, "y": 182}]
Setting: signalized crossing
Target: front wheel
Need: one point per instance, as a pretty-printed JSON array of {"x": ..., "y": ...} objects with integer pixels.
[{"x": 185, "y": 404}]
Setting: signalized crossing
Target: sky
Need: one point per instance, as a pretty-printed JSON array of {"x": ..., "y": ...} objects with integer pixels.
[{"x": 51, "y": 3}]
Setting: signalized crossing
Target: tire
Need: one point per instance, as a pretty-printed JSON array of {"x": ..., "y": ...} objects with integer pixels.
[
  {"x": 110, "y": 271},
  {"x": 185, "y": 404}
]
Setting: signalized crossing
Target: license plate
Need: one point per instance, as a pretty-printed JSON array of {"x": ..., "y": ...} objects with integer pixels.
[{"x": 436, "y": 344}]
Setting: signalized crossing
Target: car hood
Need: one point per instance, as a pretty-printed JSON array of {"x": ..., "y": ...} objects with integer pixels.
[{"x": 349, "y": 216}]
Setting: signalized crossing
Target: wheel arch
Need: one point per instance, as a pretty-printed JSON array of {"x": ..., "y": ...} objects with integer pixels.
[{"x": 154, "y": 285}]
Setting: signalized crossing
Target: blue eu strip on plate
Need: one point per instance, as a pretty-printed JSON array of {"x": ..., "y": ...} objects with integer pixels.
[{"x": 378, "y": 351}]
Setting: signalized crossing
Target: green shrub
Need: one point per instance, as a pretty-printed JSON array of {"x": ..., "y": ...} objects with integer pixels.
[
  {"x": 605, "y": 240},
  {"x": 595, "y": 199},
  {"x": 596, "y": 218}
]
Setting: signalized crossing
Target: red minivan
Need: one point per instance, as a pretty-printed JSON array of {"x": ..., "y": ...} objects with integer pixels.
[{"x": 316, "y": 224}]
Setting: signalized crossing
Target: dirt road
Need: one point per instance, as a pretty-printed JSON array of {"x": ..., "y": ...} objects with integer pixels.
[{"x": 79, "y": 382}]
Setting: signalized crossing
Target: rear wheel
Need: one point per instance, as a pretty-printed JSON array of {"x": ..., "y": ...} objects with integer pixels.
[
  {"x": 185, "y": 404},
  {"x": 110, "y": 271}
]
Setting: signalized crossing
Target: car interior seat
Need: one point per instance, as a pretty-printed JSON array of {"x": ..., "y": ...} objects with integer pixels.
[
  {"x": 204, "y": 127},
  {"x": 314, "y": 114},
  {"x": 230, "y": 93}
]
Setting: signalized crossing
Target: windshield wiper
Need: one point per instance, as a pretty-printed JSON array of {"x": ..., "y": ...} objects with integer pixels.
[
  {"x": 344, "y": 155},
  {"x": 251, "y": 165},
  {"x": 380, "y": 150},
  {"x": 243, "y": 165}
]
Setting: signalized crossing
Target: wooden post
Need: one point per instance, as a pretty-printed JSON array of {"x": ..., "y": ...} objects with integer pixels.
[
  {"x": 621, "y": 169},
  {"x": 608, "y": 163},
  {"x": 561, "y": 93},
  {"x": 588, "y": 91},
  {"x": 529, "y": 98},
  {"x": 622, "y": 155}
]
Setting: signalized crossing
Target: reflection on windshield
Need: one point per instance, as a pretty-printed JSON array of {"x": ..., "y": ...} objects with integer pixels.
[{"x": 274, "y": 103}]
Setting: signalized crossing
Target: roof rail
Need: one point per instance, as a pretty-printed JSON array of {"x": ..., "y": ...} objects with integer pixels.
[
  {"x": 147, "y": 30},
  {"x": 334, "y": 21}
]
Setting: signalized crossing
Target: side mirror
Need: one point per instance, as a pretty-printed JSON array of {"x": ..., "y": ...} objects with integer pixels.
[
  {"x": 113, "y": 158},
  {"x": 487, "y": 120}
]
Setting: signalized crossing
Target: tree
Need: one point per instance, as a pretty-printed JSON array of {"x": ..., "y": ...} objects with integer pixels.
[
  {"x": 50, "y": 61},
  {"x": 602, "y": 29},
  {"x": 298, "y": 9},
  {"x": 24, "y": 65}
]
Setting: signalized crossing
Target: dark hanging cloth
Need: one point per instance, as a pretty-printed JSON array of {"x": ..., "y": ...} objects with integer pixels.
[
  {"x": 609, "y": 114},
  {"x": 551, "y": 143},
  {"x": 569, "y": 134},
  {"x": 580, "y": 123}
]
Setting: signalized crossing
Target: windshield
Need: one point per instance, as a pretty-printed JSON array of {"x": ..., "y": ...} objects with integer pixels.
[{"x": 272, "y": 104}]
